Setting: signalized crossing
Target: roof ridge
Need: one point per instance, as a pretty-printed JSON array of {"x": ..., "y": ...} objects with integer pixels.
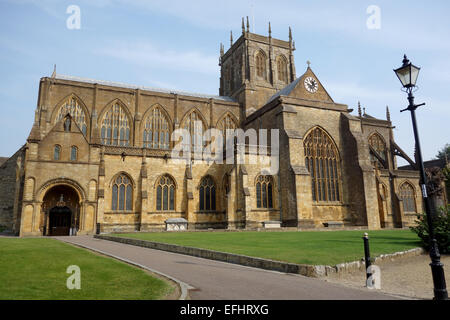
[{"x": 132, "y": 86}]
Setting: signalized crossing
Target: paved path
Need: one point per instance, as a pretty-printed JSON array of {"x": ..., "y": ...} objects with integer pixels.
[
  {"x": 405, "y": 276},
  {"x": 214, "y": 280}
]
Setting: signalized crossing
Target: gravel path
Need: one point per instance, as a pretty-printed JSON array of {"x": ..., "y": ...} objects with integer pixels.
[{"x": 409, "y": 277}]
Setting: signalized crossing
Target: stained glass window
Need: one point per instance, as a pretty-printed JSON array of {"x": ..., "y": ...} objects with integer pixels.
[
  {"x": 122, "y": 194},
  {"x": 207, "y": 194},
  {"x": 408, "y": 196},
  {"x": 156, "y": 133},
  {"x": 282, "y": 69},
  {"x": 165, "y": 194},
  {"x": 264, "y": 186},
  {"x": 261, "y": 65},
  {"x": 57, "y": 152},
  {"x": 116, "y": 126},
  {"x": 378, "y": 144},
  {"x": 73, "y": 107},
  {"x": 322, "y": 162}
]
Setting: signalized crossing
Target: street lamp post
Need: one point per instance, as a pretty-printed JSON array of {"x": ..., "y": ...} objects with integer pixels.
[{"x": 407, "y": 74}]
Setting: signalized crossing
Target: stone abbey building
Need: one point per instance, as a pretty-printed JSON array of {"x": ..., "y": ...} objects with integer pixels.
[{"x": 98, "y": 156}]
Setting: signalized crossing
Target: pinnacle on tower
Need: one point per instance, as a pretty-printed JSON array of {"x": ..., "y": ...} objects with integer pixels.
[
  {"x": 231, "y": 38},
  {"x": 359, "y": 109},
  {"x": 248, "y": 25},
  {"x": 388, "y": 114},
  {"x": 270, "y": 31},
  {"x": 290, "y": 35},
  {"x": 243, "y": 26},
  {"x": 221, "y": 49}
]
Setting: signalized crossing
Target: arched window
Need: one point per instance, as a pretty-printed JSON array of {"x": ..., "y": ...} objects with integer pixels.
[
  {"x": 282, "y": 69},
  {"x": 408, "y": 196},
  {"x": 67, "y": 124},
  {"x": 261, "y": 65},
  {"x": 194, "y": 125},
  {"x": 378, "y": 144},
  {"x": 207, "y": 194},
  {"x": 57, "y": 153},
  {"x": 73, "y": 107},
  {"x": 116, "y": 126},
  {"x": 165, "y": 194},
  {"x": 322, "y": 161},
  {"x": 157, "y": 130},
  {"x": 264, "y": 192},
  {"x": 122, "y": 194},
  {"x": 226, "y": 122},
  {"x": 73, "y": 153}
]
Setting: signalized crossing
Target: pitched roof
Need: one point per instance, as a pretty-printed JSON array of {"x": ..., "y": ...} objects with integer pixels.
[
  {"x": 131, "y": 86},
  {"x": 295, "y": 90}
]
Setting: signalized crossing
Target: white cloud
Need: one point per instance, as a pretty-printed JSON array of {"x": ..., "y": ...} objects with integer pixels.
[{"x": 145, "y": 54}]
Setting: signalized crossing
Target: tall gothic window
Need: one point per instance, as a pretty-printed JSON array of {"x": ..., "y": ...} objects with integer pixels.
[
  {"x": 73, "y": 153},
  {"x": 207, "y": 194},
  {"x": 165, "y": 194},
  {"x": 122, "y": 194},
  {"x": 261, "y": 65},
  {"x": 264, "y": 192},
  {"x": 282, "y": 69},
  {"x": 408, "y": 196},
  {"x": 226, "y": 122},
  {"x": 73, "y": 107},
  {"x": 116, "y": 126},
  {"x": 194, "y": 125},
  {"x": 57, "y": 153},
  {"x": 157, "y": 130},
  {"x": 322, "y": 161},
  {"x": 378, "y": 144}
]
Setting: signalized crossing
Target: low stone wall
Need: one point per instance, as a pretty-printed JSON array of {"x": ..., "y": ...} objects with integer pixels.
[{"x": 315, "y": 271}]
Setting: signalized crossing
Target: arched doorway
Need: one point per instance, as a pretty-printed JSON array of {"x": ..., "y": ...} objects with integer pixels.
[{"x": 61, "y": 205}]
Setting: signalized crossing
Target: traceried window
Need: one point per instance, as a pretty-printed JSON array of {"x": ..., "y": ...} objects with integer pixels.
[
  {"x": 122, "y": 194},
  {"x": 226, "y": 122},
  {"x": 282, "y": 69},
  {"x": 378, "y": 144},
  {"x": 322, "y": 161},
  {"x": 261, "y": 65},
  {"x": 207, "y": 194},
  {"x": 116, "y": 126},
  {"x": 157, "y": 130},
  {"x": 165, "y": 194},
  {"x": 73, "y": 153},
  {"x": 57, "y": 152},
  {"x": 264, "y": 192},
  {"x": 195, "y": 126},
  {"x": 408, "y": 196},
  {"x": 73, "y": 107}
]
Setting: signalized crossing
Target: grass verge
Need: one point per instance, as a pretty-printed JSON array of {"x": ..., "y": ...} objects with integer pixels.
[
  {"x": 35, "y": 268},
  {"x": 305, "y": 247}
]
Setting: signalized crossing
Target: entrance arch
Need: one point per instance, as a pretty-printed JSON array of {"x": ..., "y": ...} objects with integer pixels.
[{"x": 61, "y": 206}]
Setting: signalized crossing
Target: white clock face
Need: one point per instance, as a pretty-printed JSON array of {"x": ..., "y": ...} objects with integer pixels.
[{"x": 311, "y": 84}]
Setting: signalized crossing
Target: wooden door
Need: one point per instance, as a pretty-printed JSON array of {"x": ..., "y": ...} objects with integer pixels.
[{"x": 60, "y": 221}]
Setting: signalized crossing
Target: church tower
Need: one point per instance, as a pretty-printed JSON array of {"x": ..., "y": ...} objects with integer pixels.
[{"x": 255, "y": 67}]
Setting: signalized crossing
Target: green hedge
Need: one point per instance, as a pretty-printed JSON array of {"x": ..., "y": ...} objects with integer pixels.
[{"x": 441, "y": 224}]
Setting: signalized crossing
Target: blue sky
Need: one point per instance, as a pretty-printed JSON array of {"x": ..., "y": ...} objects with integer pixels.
[{"x": 175, "y": 45}]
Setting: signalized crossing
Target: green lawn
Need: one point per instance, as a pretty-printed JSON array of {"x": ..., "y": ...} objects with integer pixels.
[
  {"x": 308, "y": 247},
  {"x": 36, "y": 269}
]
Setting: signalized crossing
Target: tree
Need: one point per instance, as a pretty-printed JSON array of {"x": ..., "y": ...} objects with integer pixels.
[{"x": 445, "y": 150}]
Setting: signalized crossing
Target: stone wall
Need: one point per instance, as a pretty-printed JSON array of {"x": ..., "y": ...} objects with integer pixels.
[{"x": 11, "y": 184}]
